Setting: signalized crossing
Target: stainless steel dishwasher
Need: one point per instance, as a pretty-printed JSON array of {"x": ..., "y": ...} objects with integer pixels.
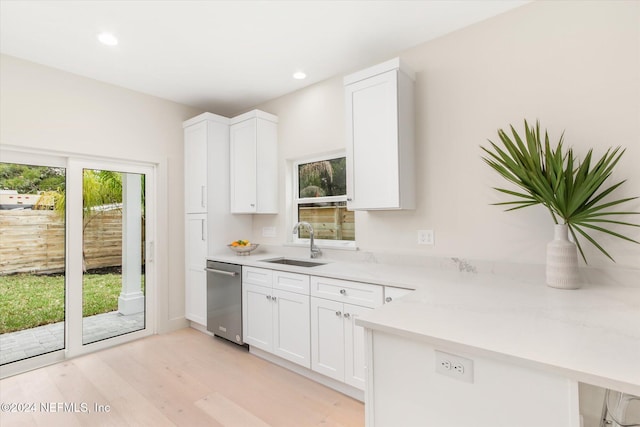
[{"x": 224, "y": 300}]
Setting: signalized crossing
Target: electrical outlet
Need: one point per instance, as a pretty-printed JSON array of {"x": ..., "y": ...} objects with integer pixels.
[
  {"x": 425, "y": 237},
  {"x": 454, "y": 366}
]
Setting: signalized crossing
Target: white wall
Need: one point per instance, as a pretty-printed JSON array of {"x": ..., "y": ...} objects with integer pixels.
[
  {"x": 575, "y": 66},
  {"x": 44, "y": 108}
]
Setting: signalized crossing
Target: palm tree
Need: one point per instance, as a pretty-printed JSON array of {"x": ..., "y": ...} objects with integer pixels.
[
  {"x": 101, "y": 192},
  {"x": 314, "y": 177}
]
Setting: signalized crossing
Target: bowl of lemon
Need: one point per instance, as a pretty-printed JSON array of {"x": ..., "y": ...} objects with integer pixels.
[{"x": 242, "y": 247}]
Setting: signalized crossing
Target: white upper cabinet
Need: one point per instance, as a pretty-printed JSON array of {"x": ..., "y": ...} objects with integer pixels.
[
  {"x": 380, "y": 137},
  {"x": 254, "y": 157},
  {"x": 195, "y": 167}
]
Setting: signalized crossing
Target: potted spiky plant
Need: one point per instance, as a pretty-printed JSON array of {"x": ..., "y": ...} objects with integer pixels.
[{"x": 573, "y": 191}]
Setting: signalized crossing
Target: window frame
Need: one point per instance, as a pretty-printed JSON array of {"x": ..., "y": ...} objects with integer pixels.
[{"x": 297, "y": 200}]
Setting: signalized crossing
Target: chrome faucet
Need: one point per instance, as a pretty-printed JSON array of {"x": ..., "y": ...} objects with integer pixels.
[{"x": 315, "y": 251}]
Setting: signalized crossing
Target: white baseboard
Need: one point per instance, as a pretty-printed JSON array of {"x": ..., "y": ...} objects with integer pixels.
[
  {"x": 199, "y": 327},
  {"x": 312, "y": 375}
]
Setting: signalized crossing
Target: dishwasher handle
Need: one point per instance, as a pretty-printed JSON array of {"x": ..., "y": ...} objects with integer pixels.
[{"x": 226, "y": 273}]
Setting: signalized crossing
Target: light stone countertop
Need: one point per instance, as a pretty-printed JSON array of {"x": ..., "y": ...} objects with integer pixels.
[{"x": 591, "y": 335}]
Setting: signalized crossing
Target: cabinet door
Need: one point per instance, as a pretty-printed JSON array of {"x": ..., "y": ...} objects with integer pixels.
[
  {"x": 327, "y": 338},
  {"x": 243, "y": 167},
  {"x": 195, "y": 167},
  {"x": 354, "y": 351},
  {"x": 195, "y": 263},
  {"x": 257, "y": 316},
  {"x": 291, "y": 327},
  {"x": 372, "y": 145}
]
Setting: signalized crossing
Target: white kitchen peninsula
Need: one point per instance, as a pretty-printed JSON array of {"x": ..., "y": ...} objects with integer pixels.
[{"x": 530, "y": 344}]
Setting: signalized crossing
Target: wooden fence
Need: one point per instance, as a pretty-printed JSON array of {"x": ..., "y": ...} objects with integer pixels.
[
  {"x": 33, "y": 241},
  {"x": 328, "y": 222}
]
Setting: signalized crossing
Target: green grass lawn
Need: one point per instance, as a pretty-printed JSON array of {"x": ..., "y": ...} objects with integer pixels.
[{"x": 27, "y": 301}]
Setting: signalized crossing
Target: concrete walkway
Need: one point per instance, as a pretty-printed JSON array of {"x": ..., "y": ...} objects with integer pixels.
[{"x": 44, "y": 339}]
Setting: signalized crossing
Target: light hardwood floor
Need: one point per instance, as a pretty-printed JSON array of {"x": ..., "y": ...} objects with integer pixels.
[{"x": 184, "y": 378}]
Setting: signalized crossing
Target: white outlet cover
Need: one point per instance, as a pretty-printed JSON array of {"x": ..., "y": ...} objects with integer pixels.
[
  {"x": 425, "y": 237},
  {"x": 454, "y": 366}
]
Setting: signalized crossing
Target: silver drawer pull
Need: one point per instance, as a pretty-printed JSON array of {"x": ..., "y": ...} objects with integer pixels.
[
  {"x": 226, "y": 273},
  {"x": 268, "y": 297},
  {"x": 338, "y": 313},
  {"x": 343, "y": 291},
  {"x": 347, "y": 315},
  {"x": 388, "y": 299},
  {"x": 273, "y": 299}
]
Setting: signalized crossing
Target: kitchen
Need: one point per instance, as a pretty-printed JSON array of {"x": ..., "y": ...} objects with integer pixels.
[{"x": 573, "y": 65}]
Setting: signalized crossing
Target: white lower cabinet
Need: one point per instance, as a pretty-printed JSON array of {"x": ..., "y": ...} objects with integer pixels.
[
  {"x": 257, "y": 313},
  {"x": 291, "y": 327},
  {"x": 196, "y": 262},
  {"x": 309, "y": 320},
  {"x": 276, "y": 320},
  {"x": 337, "y": 344}
]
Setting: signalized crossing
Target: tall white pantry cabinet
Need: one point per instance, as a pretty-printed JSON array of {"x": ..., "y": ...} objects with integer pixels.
[{"x": 209, "y": 225}]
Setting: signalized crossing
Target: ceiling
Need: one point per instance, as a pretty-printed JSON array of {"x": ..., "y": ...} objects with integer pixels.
[{"x": 226, "y": 56}]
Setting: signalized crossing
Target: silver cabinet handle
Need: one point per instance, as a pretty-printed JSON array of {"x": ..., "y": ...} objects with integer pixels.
[
  {"x": 349, "y": 199},
  {"x": 203, "y": 197},
  {"x": 226, "y": 273},
  {"x": 273, "y": 299},
  {"x": 343, "y": 291},
  {"x": 203, "y": 230},
  {"x": 338, "y": 313},
  {"x": 269, "y": 297},
  {"x": 388, "y": 299},
  {"x": 347, "y": 315}
]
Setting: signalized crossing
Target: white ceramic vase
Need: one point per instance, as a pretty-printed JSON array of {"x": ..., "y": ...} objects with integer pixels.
[{"x": 562, "y": 260}]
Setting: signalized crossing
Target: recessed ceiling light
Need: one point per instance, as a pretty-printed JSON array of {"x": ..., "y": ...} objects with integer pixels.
[
  {"x": 108, "y": 39},
  {"x": 299, "y": 75}
]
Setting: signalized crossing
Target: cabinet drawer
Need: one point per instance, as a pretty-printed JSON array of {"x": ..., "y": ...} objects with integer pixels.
[
  {"x": 364, "y": 294},
  {"x": 298, "y": 283},
  {"x": 257, "y": 276},
  {"x": 391, "y": 293}
]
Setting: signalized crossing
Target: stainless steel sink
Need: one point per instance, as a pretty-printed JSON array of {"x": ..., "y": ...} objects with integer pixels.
[{"x": 296, "y": 262}]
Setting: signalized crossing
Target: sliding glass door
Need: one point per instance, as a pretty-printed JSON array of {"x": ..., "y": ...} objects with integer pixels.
[
  {"x": 76, "y": 256},
  {"x": 32, "y": 259},
  {"x": 113, "y": 300}
]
